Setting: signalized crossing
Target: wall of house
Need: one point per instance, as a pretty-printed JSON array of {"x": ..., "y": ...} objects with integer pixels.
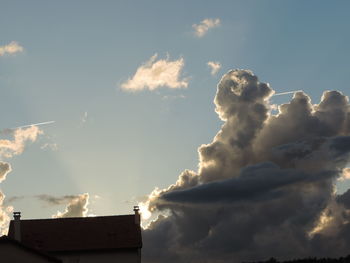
[
  {"x": 125, "y": 256},
  {"x": 13, "y": 254}
]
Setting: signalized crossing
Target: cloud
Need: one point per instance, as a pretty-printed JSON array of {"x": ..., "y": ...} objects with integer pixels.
[
  {"x": 4, "y": 215},
  {"x": 214, "y": 66},
  {"x": 85, "y": 117},
  {"x": 287, "y": 92},
  {"x": 345, "y": 174},
  {"x": 51, "y": 146},
  {"x": 46, "y": 198},
  {"x": 13, "y": 199},
  {"x": 77, "y": 206},
  {"x": 5, "y": 168},
  {"x": 174, "y": 97},
  {"x": 8, "y": 148},
  {"x": 264, "y": 186},
  {"x": 256, "y": 182},
  {"x": 155, "y": 74},
  {"x": 57, "y": 200},
  {"x": 10, "y": 49},
  {"x": 203, "y": 27}
]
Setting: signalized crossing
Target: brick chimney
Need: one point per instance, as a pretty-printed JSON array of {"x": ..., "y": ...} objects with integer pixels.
[
  {"x": 17, "y": 225},
  {"x": 137, "y": 215}
]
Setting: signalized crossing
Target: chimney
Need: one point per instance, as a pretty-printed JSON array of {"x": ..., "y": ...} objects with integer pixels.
[
  {"x": 17, "y": 225},
  {"x": 137, "y": 215}
]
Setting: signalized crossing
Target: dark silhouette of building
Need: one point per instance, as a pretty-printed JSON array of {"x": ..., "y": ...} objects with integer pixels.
[
  {"x": 84, "y": 239},
  {"x": 15, "y": 252}
]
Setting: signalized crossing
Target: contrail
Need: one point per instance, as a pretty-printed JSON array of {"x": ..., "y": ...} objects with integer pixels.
[
  {"x": 285, "y": 93},
  {"x": 10, "y": 130},
  {"x": 34, "y": 124}
]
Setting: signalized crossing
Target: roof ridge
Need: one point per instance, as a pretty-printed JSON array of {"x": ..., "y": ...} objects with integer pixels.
[{"x": 75, "y": 218}]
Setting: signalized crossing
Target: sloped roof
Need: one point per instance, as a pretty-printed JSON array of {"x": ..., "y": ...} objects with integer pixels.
[
  {"x": 7, "y": 240},
  {"x": 83, "y": 233}
]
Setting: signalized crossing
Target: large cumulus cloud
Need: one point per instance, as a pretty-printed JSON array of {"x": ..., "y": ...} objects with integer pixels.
[{"x": 265, "y": 186}]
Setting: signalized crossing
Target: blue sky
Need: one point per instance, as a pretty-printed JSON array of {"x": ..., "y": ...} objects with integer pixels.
[{"x": 77, "y": 54}]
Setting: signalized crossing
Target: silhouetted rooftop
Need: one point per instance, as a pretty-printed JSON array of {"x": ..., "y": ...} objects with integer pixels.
[{"x": 88, "y": 233}]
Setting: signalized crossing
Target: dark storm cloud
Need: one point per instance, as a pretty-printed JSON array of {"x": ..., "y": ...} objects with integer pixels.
[
  {"x": 265, "y": 185},
  {"x": 256, "y": 182}
]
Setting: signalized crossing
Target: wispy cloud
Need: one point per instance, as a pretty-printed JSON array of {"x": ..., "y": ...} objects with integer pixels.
[
  {"x": 57, "y": 200},
  {"x": 85, "y": 117},
  {"x": 214, "y": 66},
  {"x": 12, "y": 199},
  {"x": 202, "y": 28},
  {"x": 157, "y": 73},
  {"x": 34, "y": 124},
  {"x": 11, "y": 48},
  {"x": 170, "y": 97},
  {"x": 287, "y": 92},
  {"x": 50, "y": 146}
]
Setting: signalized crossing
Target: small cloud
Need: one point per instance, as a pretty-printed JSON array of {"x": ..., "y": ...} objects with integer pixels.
[
  {"x": 77, "y": 207},
  {"x": 10, "y": 49},
  {"x": 169, "y": 97},
  {"x": 85, "y": 117},
  {"x": 214, "y": 66},
  {"x": 5, "y": 168},
  {"x": 51, "y": 146},
  {"x": 202, "y": 28},
  {"x": 157, "y": 73}
]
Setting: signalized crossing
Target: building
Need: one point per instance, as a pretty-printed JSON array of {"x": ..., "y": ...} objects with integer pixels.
[
  {"x": 84, "y": 239},
  {"x": 12, "y": 251}
]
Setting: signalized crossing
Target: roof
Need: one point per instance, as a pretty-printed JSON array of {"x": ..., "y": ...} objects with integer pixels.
[
  {"x": 80, "y": 233},
  {"x": 6, "y": 239}
]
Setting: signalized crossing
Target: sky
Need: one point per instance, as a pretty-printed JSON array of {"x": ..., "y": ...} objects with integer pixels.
[{"x": 129, "y": 87}]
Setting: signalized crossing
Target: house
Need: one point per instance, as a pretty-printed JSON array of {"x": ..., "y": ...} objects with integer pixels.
[
  {"x": 84, "y": 239},
  {"x": 12, "y": 251}
]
